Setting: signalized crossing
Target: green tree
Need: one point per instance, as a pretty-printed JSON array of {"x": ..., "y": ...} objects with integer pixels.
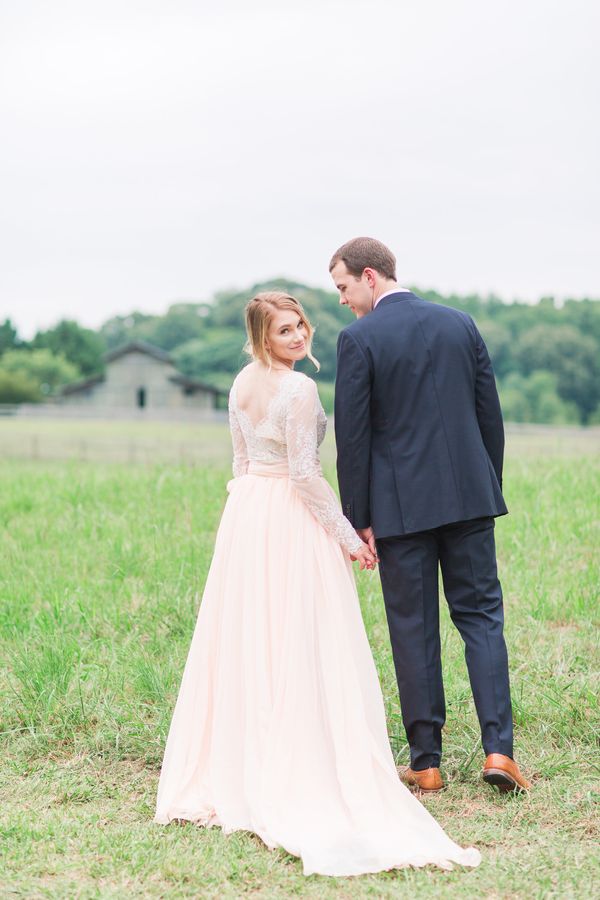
[
  {"x": 572, "y": 356},
  {"x": 8, "y": 337},
  {"x": 499, "y": 343},
  {"x": 219, "y": 351},
  {"x": 326, "y": 395},
  {"x": 227, "y": 308},
  {"x": 583, "y": 315},
  {"x": 534, "y": 398},
  {"x": 182, "y": 323},
  {"x": 15, "y": 387},
  {"x": 80, "y": 346},
  {"x": 513, "y": 399},
  {"x": 121, "y": 329},
  {"x": 41, "y": 367}
]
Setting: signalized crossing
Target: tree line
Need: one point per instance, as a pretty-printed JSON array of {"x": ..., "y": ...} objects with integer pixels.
[{"x": 546, "y": 356}]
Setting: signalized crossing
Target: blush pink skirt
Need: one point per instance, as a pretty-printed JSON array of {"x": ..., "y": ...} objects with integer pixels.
[{"x": 279, "y": 727}]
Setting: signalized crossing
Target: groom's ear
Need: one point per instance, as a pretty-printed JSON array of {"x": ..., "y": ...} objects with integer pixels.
[{"x": 371, "y": 276}]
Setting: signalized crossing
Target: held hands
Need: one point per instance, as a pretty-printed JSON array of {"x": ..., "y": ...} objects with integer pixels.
[
  {"x": 365, "y": 558},
  {"x": 367, "y": 535},
  {"x": 367, "y": 554}
]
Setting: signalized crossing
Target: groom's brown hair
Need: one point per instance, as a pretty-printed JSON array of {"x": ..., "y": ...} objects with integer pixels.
[{"x": 365, "y": 253}]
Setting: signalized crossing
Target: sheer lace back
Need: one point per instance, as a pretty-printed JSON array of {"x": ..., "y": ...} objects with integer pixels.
[
  {"x": 277, "y": 419},
  {"x": 256, "y": 389},
  {"x": 262, "y": 407}
]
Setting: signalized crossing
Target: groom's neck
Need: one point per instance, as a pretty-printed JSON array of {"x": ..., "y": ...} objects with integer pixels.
[{"x": 384, "y": 286}]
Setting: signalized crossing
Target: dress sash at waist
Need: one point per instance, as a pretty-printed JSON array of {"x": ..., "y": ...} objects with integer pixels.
[{"x": 271, "y": 470}]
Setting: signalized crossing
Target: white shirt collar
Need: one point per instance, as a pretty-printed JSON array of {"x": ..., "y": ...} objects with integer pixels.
[{"x": 397, "y": 290}]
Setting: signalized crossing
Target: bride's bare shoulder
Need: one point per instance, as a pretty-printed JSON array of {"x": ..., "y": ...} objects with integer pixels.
[
  {"x": 304, "y": 382},
  {"x": 245, "y": 373}
]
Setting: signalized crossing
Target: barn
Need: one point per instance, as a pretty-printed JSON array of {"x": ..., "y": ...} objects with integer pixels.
[{"x": 140, "y": 376}]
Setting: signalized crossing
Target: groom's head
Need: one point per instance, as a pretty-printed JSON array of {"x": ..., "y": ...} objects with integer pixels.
[{"x": 362, "y": 270}]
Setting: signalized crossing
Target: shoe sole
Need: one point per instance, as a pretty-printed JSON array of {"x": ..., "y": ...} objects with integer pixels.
[
  {"x": 503, "y": 781},
  {"x": 416, "y": 787}
]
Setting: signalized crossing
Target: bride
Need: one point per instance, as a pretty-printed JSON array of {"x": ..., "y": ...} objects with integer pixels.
[{"x": 279, "y": 727}]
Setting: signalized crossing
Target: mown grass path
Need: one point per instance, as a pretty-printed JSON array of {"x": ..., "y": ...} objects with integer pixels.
[{"x": 101, "y": 573}]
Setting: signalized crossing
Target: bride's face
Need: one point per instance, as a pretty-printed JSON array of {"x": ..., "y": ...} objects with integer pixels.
[{"x": 286, "y": 337}]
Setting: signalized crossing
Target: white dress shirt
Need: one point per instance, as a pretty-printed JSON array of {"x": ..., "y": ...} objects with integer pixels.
[{"x": 398, "y": 290}]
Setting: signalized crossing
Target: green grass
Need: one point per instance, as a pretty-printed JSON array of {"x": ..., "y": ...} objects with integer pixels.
[{"x": 101, "y": 572}]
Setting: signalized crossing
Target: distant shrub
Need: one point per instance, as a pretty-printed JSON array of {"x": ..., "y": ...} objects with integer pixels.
[
  {"x": 42, "y": 368},
  {"x": 535, "y": 399},
  {"x": 15, "y": 387},
  {"x": 326, "y": 393}
]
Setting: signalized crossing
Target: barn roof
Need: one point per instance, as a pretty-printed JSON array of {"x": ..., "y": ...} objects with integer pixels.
[
  {"x": 81, "y": 385},
  {"x": 194, "y": 384},
  {"x": 138, "y": 347},
  {"x": 189, "y": 384}
]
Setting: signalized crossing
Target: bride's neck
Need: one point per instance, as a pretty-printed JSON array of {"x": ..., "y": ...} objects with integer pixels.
[{"x": 278, "y": 365}]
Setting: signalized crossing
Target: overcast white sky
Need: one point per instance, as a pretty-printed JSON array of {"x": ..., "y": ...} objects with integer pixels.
[{"x": 164, "y": 149}]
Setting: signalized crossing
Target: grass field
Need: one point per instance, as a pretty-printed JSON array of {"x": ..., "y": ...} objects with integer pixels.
[{"x": 101, "y": 572}]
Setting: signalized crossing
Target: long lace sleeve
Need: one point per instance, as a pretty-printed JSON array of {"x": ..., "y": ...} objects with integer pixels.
[
  {"x": 240, "y": 451},
  {"x": 305, "y": 468}
]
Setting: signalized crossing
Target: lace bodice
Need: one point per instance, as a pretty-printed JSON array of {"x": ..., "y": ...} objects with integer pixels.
[{"x": 286, "y": 427}]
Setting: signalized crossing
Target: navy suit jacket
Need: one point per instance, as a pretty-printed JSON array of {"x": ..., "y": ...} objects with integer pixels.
[{"x": 418, "y": 425}]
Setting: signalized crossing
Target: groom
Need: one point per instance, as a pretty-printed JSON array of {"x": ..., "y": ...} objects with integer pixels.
[{"x": 420, "y": 447}]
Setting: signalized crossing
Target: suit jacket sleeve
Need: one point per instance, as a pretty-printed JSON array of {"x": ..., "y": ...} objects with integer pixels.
[
  {"x": 489, "y": 413},
  {"x": 353, "y": 429}
]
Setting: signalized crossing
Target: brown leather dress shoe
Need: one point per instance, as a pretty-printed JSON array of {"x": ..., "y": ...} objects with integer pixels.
[
  {"x": 503, "y": 772},
  {"x": 427, "y": 780}
]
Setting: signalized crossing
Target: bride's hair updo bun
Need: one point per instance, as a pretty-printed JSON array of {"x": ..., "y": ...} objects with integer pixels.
[{"x": 259, "y": 312}]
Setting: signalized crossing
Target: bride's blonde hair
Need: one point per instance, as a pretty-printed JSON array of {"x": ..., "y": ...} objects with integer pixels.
[{"x": 259, "y": 313}]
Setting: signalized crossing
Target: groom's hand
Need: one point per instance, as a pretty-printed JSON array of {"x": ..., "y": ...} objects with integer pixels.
[
  {"x": 364, "y": 557},
  {"x": 367, "y": 535}
]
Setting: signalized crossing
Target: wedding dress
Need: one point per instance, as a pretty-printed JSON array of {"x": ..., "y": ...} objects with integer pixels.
[{"x": 279, "y": 727}]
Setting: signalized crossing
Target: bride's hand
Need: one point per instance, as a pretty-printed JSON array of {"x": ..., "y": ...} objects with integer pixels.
[
  {"x": 364, "y": 557},
  {"x": 368, "y": 536}
]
